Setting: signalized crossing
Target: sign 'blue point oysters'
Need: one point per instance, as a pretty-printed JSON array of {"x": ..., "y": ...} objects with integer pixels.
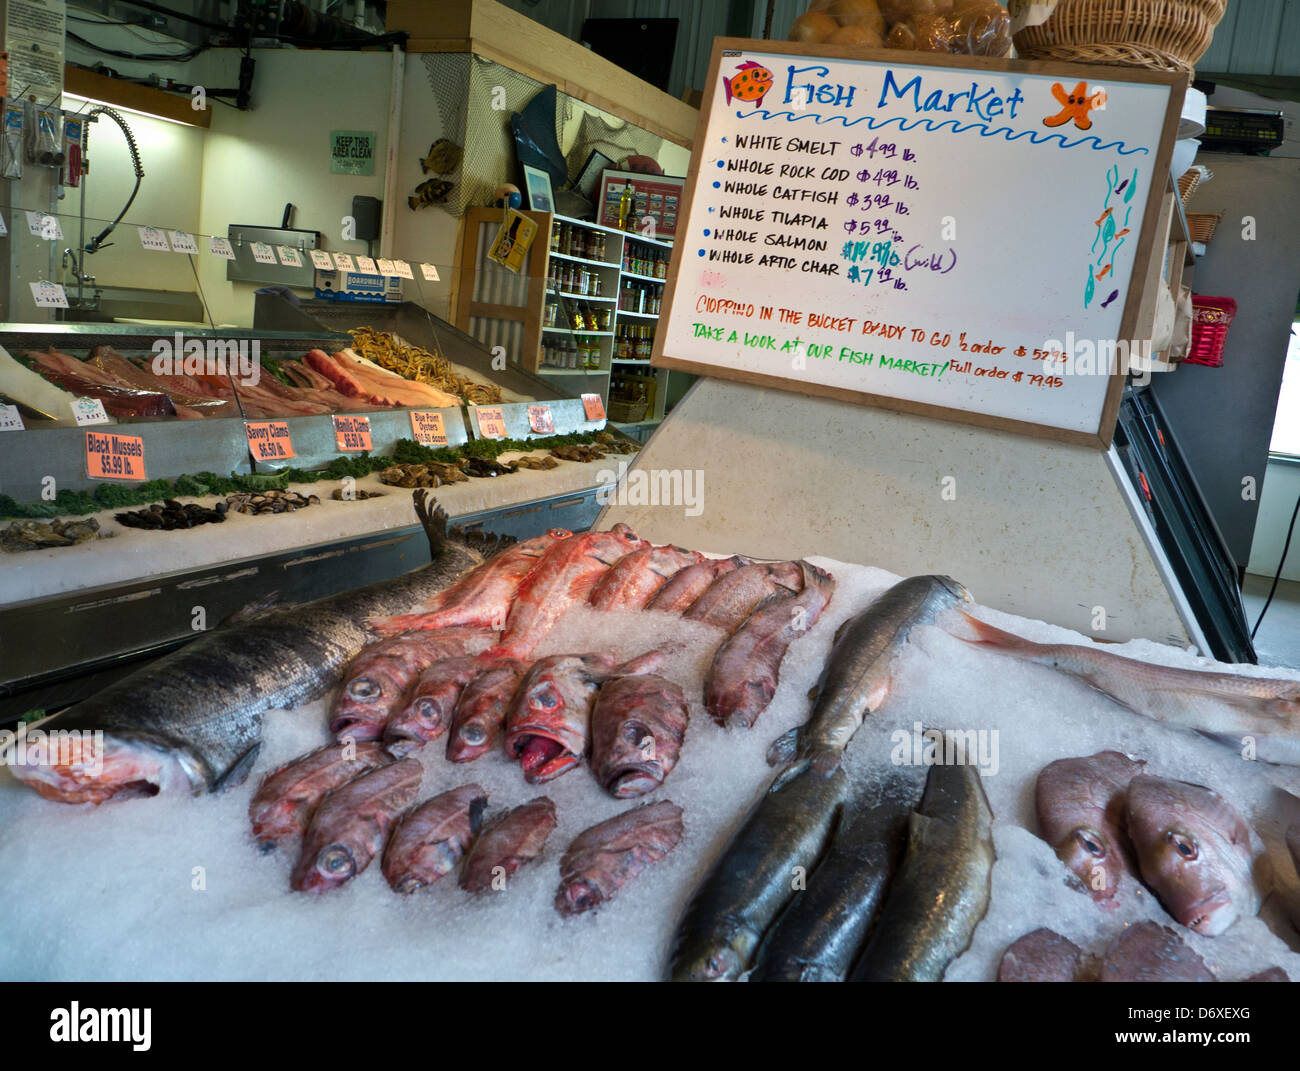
[{"x": 957, "y": 236}]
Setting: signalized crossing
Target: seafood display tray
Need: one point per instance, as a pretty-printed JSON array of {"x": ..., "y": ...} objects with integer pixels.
[{"x": 133, "y": 866}]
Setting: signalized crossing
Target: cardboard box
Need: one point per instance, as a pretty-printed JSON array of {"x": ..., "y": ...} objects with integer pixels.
[{"x": 354, "y": 286}]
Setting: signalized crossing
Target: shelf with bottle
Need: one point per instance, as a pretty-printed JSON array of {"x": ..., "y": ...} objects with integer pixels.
[
  {"x": 633, "y": 342},
  {"x": 638, "y": 298},
  {"x": 575, "y": 241},
  {"x": 578, "y": 315},
  {"x": 574, "y": 352},
  {"x": 573, "y": 279},
  {"x": 645, "y": 263}
]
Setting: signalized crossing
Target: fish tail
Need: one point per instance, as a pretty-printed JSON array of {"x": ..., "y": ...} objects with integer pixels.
[
  {"x": 973, "y": 630},
  {"x": 784, "y": 748},
  {"x": 824, "y": 761}
]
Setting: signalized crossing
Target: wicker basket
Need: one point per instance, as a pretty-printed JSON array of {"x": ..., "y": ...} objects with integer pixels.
[
  {"x": 1211, "y": 318},
  {"x": 1201, "y": 225},
  {"x": 1167, "y": 35},
  {"x": 1187, "y": 183},
  {"x": 622, "y": 412}
]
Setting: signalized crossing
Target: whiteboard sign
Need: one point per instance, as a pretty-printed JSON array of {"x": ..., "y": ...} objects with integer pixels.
[{"x": 954, "y": 236}]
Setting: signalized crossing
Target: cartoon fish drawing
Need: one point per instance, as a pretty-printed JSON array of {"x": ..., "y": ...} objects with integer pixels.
[
  {"x": 1104, "y": 272},
  {"x": 1089, "y": 290},
  {"x": 1113, "y": 295},
  {"x": 750, "y": 82},
  {"x": 1103, "y": 216},
  {"x": 1120, "y": 234}
]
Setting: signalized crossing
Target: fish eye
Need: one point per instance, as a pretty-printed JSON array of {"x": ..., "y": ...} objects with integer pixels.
[
  {"x": 1184, "y": 845},
  {"x": 1091, "y": 842},
  {"x": 545, "y": 697},
  {"x": 364, "y": 688},
  {"x": 473, "y": 734},
  {"x": 424, "y": 705},
  {"x": 336, "y": 861}
]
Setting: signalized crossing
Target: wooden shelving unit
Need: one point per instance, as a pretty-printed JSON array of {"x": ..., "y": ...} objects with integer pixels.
[{"x": 501, "y": 308}]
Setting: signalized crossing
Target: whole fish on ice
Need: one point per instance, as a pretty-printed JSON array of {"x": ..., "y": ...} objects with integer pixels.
[
  {"x": 603, "y": 859},
  {"x": 479, "y": 720},
  {"x": 482, "y": 599},
  {"x": 685, "y": 587},
  {"x": 637, "y": 729},
  {"x": 1221, "y": 704},
  {"x": 859, "y": 672},
  {"x": 943, "y": 886},
  {"x": 507, "y": 843},
  {"x": 430, "y": 703},
  {"x": 350, "y": 826},
  {"x": 735, "y": 593},
  {"x": 1041, "y": 956},
  {"x": 746, "y": 669},
  {"x": 1149, "y": 952},
  {"x": 820, "y": 934},
  {"x": 430, "y": 840},
  {"x": 1194, "y": 850},
  {"x": 287, "y": 798},
  {"x": 634, "y": 579},
  {"x": 195, "y": 716},
  {"x": 548, "y": 725},
  {"x": 564, "y": 577},
  {"x": 378, "y": 682},
  {"x": 1081, "y": 813},
  {"x": 754, "y": 877}
]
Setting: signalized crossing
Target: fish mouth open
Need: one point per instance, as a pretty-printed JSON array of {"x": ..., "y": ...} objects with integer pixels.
[
  {"x": 87, "y": 772},
  {"x": 1210, "y": 915},
  {"x": 577, "y": 897},
  {"x": 632, "y": 780},
  {"x": 542, "y": 757}
]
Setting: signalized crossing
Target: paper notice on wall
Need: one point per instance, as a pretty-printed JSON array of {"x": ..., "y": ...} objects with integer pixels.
[
  {"x": 321, "y": 259},
  {"x": 220, "y": 247},
  {"x": 183, "y": 242},
  {"x": 34, "y": 31}
]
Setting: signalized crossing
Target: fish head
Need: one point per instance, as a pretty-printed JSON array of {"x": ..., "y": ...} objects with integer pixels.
[
  {"x": 469, "y": 740},
  {"x": 746, "y": 701},
  {"x": 632, "y": 767},
  {"x": 93, "y": 769},
  {"x": 329, "y": 868},
  {"x": 710, "y": 960},
  {"x": 1094, "y": 859},
  {"x": 1194, "y": 851},
  {"x": 955, "y": 588},
  {"x": 577, "y": 896},
  {"x": 550, "y": 718},
  {"x": 426, "y": 718},
  {"x": 363, "y": 705},
  {"x": 619, "y": 542}
]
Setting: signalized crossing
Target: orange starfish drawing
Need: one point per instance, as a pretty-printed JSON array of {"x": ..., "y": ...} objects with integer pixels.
[{"x": 1076, "y": 105}]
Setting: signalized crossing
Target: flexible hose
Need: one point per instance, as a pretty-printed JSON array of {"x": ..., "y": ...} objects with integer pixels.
[{"x": 97, "y": 242}]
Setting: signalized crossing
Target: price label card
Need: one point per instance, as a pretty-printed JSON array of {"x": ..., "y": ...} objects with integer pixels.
[
  {"x": 289, "y": 257},
  {"x": 220, "y": 247},
  {"x": 114, "y": 457},
  {"x": 269, "y": 440},
  {"x": 366, "y": 266},
  {"x": 183, "y": 242},
  {"x": 43, "y": 225},
  {"x": 541, "y": 420},
  {"x": 86, "y": 411},
  {"x": 403, "y": 269},
  {"x": 4, "y": 227},
  {"x": 49, "y": 295},
  {"x": 322, "y": 259},
  {"x": 10, "y": 418},
  {"x": 428, "y": 428},
  {"x": 155, "y": 239},
  {"x": 343, "y": 261},
  {"x": 491, "y": 422},
  {"x": 263, "y": 253},
  {"x": 429, "y": 272},
  {"x": 352, "y": 433},
  {"x": 593, "y": 407},
  {"x": 385, "y": 267}
]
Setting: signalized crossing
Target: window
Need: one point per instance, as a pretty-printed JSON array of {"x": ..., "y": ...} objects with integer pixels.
[{"x": 1286, "y": 428}]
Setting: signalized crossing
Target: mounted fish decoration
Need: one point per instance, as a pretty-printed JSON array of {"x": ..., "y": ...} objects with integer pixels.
[
  {"x": 443, "y": 158},
  {"x": 429, "y": 192}
]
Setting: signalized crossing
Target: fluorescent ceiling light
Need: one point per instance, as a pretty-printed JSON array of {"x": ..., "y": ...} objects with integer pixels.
[{"x": 123, "y": 108}]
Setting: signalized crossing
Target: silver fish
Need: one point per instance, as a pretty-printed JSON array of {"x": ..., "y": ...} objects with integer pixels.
[
  {"x": 1223, "y": 705},
  {"x": 777, "y": 843},
  {"x": 199, "y": 710},
  {"x": 943, "y": 886},
  {"x": 859, "y": 673},
  {"x": 1194, "y": 851}
]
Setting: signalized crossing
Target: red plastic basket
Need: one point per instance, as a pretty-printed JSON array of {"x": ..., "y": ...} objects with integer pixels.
[{"x": 1211, "y": 318}]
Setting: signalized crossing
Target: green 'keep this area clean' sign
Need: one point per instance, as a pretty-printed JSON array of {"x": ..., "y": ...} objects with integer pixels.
[{"x": 352, "y": 152}]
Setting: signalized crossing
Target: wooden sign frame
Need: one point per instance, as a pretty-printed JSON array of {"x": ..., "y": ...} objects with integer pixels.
[{"x": 1144, "y": 252}]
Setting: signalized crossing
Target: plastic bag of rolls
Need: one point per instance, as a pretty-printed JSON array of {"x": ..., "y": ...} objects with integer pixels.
[{"x": 966, "y": 27}]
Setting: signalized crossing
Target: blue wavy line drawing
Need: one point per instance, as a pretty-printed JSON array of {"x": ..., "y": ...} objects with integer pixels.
[{"x": 1034, "y": 136}]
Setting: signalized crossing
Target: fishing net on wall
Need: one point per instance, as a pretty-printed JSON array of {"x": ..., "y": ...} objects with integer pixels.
[
  {"x": 448, "y": 75},
  {"x": 616, "y": 138}
]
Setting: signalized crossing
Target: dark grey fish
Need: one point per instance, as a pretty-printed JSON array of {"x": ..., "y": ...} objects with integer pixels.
[
  {"x": 857, "y": 678},
  {"x": 819, "y": 935},
  {"x": 1040, "y": 956},
  {"x": 943, "y": 886},
  {"x": 200, "y": 708},
  {"x": 780, "y": 839}
]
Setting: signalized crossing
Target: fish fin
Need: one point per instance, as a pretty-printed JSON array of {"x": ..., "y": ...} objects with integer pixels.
[
  {"x": 433, "y": 521},
  {"x": 973, "y": 630},
  {"x": 476, "y": 808},
  {"x": 487, "y": 544},
  {"x": 790, "y": 773},
  {"x": 784, "y": 747},
  {"x": 239, "y": 770},
  {"x": 825, "y": 761},
  {"x": 259, "y": 607}
]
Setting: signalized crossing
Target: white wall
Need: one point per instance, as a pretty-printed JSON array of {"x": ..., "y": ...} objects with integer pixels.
[{"x": 257, "y": 160}]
